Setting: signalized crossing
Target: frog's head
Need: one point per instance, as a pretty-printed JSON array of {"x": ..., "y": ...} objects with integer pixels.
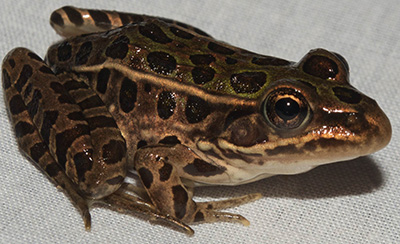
[{"x": 308, "y": 116}]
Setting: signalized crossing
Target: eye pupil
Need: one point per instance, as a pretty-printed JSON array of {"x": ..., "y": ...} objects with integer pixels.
[{"x": 287, "y": 108}]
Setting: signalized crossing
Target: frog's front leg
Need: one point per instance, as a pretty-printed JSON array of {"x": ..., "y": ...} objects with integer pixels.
[{"x": 160, "y": 170}]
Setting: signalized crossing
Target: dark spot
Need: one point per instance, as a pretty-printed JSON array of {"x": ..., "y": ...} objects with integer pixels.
[
  {"x": 35, "y": 57},
  {"x": 200, "y": 32},
  {"x": 83, "y": 162},
  {"x": 230, "y": 61},
  {"x": 114, "y": 152},
  {"x": 49, "y": 119},
  {"x": 146, "y": 176},
  {"x": 76, "y": 116},
  {"x": 91, "y": 102},
  {"x": 202, "y": 168},
  {"x": 141, "y": 143},
  {"x": 6, "y": 80},
  {"x": 154, "y": 32},
  {"x": 181, "y": 33},
  {"x": 196, "y": 109},
  {"x": 57, "y": 19},
  {"x": 83, "y": 53},
  {"x": 25, "y": 74},
  {"x": 248, "y": 82},
  {"x": 161, "y": 62},
  {"x": 170, "y": 140},
  {"x": 199, "y": 217},
  {"x": 180, "y": 200},
  {"x": 16, "y": 105},
  {"x": 57, "y": 87},
  {"x": 147, "y": 87},
  {"x": 11, "y": 62},
  {"x": 165, "y": 172},
  {"x": 33, "y": 105},
  {"x": 102, "y": 80},
  {"x": 320, "y": 66},
  {"x": 37, "y": 151},
  {"x": 183, "y": 25},
  {"x": 53, "y": 169},
  {"x": 46, "y": 70},
  {"x": 28, "y": 90},
  {"x": 100, "y": 18},
  {"x": 73, "y": 15},
  {"x": 166, "y": 104},
  {"x": 220, "y": 49},
  {"x": 127, "y": 95},
  {"x": 101, "y": 122},
  {"x": 202, "y": 75},
  {"x": 202, "y": 59},
  {"x": 66, "y": 138},
  {"x": 64, "y": 51},
  {"x": 118, "y": 48},
  {"x": 23, "y": 128},
  {"x": 74, "y": 85},
  {"x": 125, "y": 18},
  {"x": 236, "y": 114},
  {"x": 116, "y": 180},
  {"x": 267, "y": 60},
  {"x": 347, "y": 95}
]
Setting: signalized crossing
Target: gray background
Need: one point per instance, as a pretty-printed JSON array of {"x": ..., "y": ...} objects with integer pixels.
[{"x": 348, "y": 202}]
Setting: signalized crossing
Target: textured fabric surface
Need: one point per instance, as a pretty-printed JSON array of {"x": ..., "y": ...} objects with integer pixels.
[{"x": 347, "y": 202}]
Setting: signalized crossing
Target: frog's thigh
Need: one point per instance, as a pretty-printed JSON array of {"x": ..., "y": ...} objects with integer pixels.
[
  {"x": 157, "y": 168},
  {"x": 17, "y": 66}
]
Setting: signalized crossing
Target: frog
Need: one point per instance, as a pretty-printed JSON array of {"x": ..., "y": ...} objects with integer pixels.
[{"x": 125, "y": 93}]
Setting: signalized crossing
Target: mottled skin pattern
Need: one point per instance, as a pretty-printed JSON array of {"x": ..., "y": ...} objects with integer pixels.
[{"x": 132, "y": 92}]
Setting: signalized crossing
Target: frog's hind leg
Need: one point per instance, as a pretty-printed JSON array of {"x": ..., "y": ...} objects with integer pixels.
[
  {"x": 16, "y": 71},
  {"x": 70, "y": 21}
]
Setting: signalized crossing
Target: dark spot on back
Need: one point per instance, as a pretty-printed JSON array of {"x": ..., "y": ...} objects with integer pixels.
[
  {"x": 230, "y": 60},
  {"x": 49, "y": 119},
  {"x": 74, "y": 85},
  {"x": 28, "y": 90},
  {"x": 146, "y": 176},
  {"x": 6, "y": 80},
  {"x": 91, "y": 102},
  {"x": 321, "y": 67},
  {"x": 57, "y": 19},
  {"x": 154, "y": 32},
  {"x": 196, "y": 109},
  {"x": 141, "y": 143},
  {"x": 76, "y": 116},
  {"x": 267, "y": 60},
  {"x": 73, "y": 15},
  {"x": 127, "y": 95},
  {"x": 102, "y": 80},
  {"x": 118, "y": 48},
  {"x": 38, "y": 150},
  {"x": 181, "y": 33},
  {"x": 66, "y": 138},
  {"x": 114, "y": 152},
  {"x": 202, "y": 59},
  {"x": 200, "y": 32},
  {"x": 165, "y": 172},
  {"x": 23, "y": 128},
  {"x": 53, "y": 169},
  {"x": 116, "y": 180},
  {"x": 25, "y": 74},
  {"x": 180, "y": 200},
  {"x": 46, "y": 70},
  {"x": 202, "y": 75},
  {"x": 11, "y": 62},
  {"x": 34, "y": 56},
  {"x": 166, "y": 104},
  {"x": 100, "y": 18},
  {"x": 347, "y": 95},
  {"x": 33, "y": 105},
  {"x": 220, "y": 49},
  {"x": 101, "y": 122},
  {"x": 161, "y": 62},
  {"x": 170, "y": 140},
  {"x": 199, "y": 217},
  {"x": 16, "y": 105},
  {"x": 248, "y": 82},
  {"x": 201, "y": 168},
  {"x": 83, "y": 163},
  {"x": 83, "y": 53},
  {"x": 64, "y": 51}
]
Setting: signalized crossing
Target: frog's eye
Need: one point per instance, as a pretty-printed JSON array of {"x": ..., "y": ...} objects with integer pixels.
[{"x": 285, "y": 108}]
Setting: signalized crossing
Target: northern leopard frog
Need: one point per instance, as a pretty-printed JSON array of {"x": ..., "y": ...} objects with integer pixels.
[{"x": 126, "y": 92}]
